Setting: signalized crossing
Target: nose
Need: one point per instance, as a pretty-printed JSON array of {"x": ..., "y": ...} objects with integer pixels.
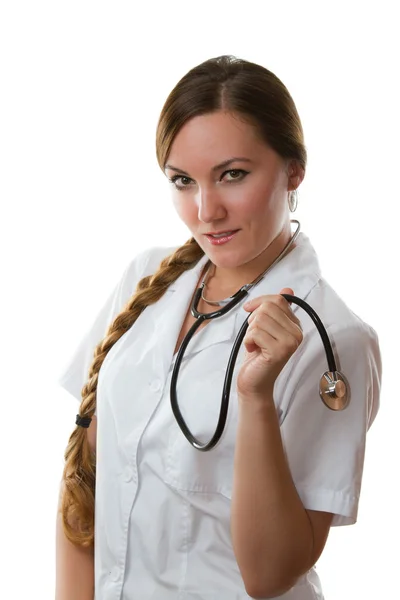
[{"x": 210, "y": 206}]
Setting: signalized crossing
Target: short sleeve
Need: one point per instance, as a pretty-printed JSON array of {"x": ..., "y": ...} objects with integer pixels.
[
  {"x": 75, "y": 373},
  {"x": 325, "y": 449}
]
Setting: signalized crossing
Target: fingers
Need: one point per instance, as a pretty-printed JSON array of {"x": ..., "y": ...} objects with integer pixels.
[
  {"x": 274, "y": 327},
  {"x": 276, "y": 324},
  {"x": 265, "y": 329},
  {"x": 254, "y": 303},
  {"x": 278, "y": 348},
  {"x": 255, "y": 339},
  {"x": 278, "y": 308}
]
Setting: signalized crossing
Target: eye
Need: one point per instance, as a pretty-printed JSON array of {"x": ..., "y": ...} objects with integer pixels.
[
  {"x": 183, "y": 179},
  {"x": 241, "y": 172}
]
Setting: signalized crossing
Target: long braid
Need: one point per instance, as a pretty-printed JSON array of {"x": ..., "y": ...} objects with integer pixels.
[{"x": 79, "y": 476}]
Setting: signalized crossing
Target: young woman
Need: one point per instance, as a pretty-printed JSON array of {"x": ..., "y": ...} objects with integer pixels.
[{"x": 143, "y": 513}]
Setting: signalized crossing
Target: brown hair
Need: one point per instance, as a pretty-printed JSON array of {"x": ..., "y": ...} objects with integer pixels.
[{"x": 222, "y": 83}]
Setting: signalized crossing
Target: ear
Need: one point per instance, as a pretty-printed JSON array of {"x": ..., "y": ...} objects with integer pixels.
[{"x": 296, "y": 175}]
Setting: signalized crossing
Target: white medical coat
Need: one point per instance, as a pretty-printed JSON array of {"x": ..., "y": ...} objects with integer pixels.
[{"x": 162, "y": 514}]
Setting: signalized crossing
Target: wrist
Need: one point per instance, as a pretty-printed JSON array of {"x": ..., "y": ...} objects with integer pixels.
[{"x": 258, "y": 402}]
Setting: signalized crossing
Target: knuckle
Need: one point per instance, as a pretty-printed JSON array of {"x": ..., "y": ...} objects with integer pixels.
[
  {"x": 293, "y": 342},
  {"x": 297, "y": 328},
  {"x": 281, "y": 301},
  {"x": 255, "y": 319},
  {"x": 298, "y": 339},
  {"x": 248, "y": 337}
]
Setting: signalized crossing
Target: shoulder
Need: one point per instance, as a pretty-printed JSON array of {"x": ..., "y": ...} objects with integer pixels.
[
  {"x": 333, "y": 311},
  {"x": 337, "y": 316}
]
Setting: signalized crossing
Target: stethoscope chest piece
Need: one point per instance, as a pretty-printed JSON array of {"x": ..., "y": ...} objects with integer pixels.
[{"x": 333, "y": 390}]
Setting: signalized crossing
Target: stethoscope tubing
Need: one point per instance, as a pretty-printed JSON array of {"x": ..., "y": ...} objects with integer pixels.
[{"x": 200, "y": 318}]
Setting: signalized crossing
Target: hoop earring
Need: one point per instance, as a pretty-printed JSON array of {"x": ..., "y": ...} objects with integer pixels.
[{"x": 293, "y": 200}]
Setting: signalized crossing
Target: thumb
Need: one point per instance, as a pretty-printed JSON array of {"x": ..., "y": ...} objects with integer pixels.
[{"x": 287, "y": 291}]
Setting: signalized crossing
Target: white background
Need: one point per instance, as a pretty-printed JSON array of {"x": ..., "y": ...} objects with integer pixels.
[{"x": 82, "y": 85}]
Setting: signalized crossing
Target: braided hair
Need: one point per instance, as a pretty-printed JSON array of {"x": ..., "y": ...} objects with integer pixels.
[{"x": 79, "y": 475}]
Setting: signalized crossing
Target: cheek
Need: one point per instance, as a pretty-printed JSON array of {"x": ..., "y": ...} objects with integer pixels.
[
  {"x": 255, "y": 205},
  {"x": 185, "y": 207},
  {"x": 263, "y": 200}
]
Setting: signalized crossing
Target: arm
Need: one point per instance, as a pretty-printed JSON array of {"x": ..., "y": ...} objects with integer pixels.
[
  {"x": 74, "y": 568},
  {"x": 74, "y": 565},
  {"x": 275, "y": 539},
  {"x": 315, "y": 458}
]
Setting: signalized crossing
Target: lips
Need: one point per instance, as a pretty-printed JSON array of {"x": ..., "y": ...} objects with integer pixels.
[
  {"x": 227, "y": 232},
  {"x": 222, "y": 239}
]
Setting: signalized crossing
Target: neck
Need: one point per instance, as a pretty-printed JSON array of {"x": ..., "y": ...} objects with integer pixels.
[{"x": 224, "y": 282}]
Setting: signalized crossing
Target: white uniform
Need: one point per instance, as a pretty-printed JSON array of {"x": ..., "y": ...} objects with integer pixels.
[{"x": 162, "y": 526}]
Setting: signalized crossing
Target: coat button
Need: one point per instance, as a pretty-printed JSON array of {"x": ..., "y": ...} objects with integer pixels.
[
  {"x": 114, "y": 574},
  {"x": 155, "y": 385},
  {"x": 128, "y": 473}
]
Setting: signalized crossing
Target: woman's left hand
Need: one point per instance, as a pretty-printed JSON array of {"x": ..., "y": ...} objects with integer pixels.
[{"x": 273, "y": 335}]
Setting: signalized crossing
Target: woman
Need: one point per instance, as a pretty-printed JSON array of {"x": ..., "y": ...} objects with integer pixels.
[{"x": 250, "y": 517}]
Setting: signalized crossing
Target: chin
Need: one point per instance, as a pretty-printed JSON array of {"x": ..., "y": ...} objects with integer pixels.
[{"x": 228, "y": 260}]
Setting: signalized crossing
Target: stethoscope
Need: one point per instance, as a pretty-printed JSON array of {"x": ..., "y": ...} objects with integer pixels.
[{"x": 332, "y": 386}]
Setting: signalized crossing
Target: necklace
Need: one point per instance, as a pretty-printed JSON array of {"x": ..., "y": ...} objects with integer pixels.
[{"x": 278, "y": 258}]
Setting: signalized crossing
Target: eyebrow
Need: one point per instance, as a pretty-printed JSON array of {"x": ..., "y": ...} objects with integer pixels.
[{"x": 216, "y": 168}]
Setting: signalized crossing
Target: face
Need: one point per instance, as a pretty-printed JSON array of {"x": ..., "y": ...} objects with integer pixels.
[{"x": 249, "y": 195}]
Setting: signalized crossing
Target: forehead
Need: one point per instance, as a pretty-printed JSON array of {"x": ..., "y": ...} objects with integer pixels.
[{"x": 214, "y": 137}]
